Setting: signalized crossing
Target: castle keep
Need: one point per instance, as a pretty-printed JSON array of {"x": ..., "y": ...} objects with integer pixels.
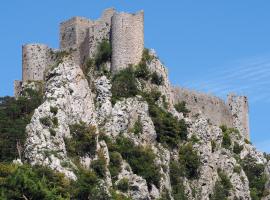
[{"x": 125, "y": 32}]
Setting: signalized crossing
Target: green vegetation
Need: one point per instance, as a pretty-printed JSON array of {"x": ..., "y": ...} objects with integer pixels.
[
  {"x": 194, "y": 139},
  {"x": 141, "y": 70},
  {"x": 189, "y": 160},
  {"x": 46, "y": 121},
  {"x": 237, "y": 148},
  {"x": 170, "y": 131},
  {"x": 104, "y": 52},
  {"x": 115, "y": 164},
  {"x": 52, "y": 132},
  {"x": 25, "y": 182},
  {"x": 156, "y": 78},
  {"x": 140, "y": 158},
  {"x": 181, "y": 107},
  {"x": 14, "y": 116},
  {"x": 226, "y": 142},
  {"x": 222, "y": 187},
  {"x": 256, "y": 176},
  {"x": 138, "y": 128},
  {"x": 99, "y": 166},
  {"x": 123, "y": 185},
  {"x": 124, "y": 85},
  {"x": 53, "y": 110},
  {"x": 213, "y": 145},
  {"x": 176, "y": 174},
  {"x": 83, "y": 141}
]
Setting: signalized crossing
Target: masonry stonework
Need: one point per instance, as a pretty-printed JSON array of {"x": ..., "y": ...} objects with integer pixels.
[
  {"x": 239, "y": 109},
  {"x": 127, "y": 39},
  {"x": 35, "y": 61}
]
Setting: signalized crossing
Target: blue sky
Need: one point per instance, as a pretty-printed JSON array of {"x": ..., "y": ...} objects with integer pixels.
[{"x": 212, "y": 46}]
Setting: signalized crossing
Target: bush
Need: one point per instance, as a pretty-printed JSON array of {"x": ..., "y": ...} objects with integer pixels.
[
  {"x": 14, "y": 116},
  {"x": 256, "y": 176},
  {"x": 170, "y": 131},
  {"x": 222, "y": 187},
  {"x": 115, "y": 164},
  {"x": 142, "y": 71},
  {"x": 123, "y": 185},
  {"x": 181, "y": 107},
  {"x": 237, "y": 148},
  {"x": 176, "y": 174},
  {"x": 141, "y": 159},
  {"x": 46, "y": 121},
  {"x": 99, "y": 166},
  {"x": 104, "y": 52},
  {"x": 25, "y": 182},
  {"x": 226, "y": 141},
  {"x": 190, "y": 161},
  {"x": 138, "y": 128},
  {"x": 52, "y": 132},
  {"x": 54, "y": 110},
  {"x": 55, "y": 121},
  {"x": 213, "y": 145},
  {"x": 194, "y": 139},
  {"x": 124, "y": 85},
  {"x": 83, "y": 141},
  {"x": 156, "y": 79}
]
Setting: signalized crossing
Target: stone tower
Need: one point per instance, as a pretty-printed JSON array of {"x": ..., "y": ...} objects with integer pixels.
[
  {"x": 127, "y": 39},
  {"x": 240, "y": 113},
  {"x": 35, "y": 60}
]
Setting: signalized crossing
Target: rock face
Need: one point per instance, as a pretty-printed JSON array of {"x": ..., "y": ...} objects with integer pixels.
[{"x": 66, "y": 90}]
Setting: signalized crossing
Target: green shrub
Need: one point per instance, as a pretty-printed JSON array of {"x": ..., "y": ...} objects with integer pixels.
[
  {"x": 55, "y": 121},
  {"x": 247, "y": 141},
  {"x": 52, "y": 132},
  {"x": 170, "y": 131},
  {"x": 237, "y": 169},
  {"x": 141, "y": 159},
  {"x": 46, "y": 121},
  {"x": 194, "y": 139},
  {"x": 157, "y": 79},
  {"x": 222, "y": 187},
  {"x": 123, "y": 185},
  {"x": 237, "y": 148},
  {"x": 176, "y": 174},
  {"x": 138, "y": 128},
  {"x": 117, "y": 196},
  {"x": 146, "y": 57},
  {"x": 54, "y": 110},
  {"x": 190, "y": 161},
  {"x": 14, "y": 116},
  {"x": 256, "y": 176},
  {"x": 25, "y": 182},
  {"x": 104, "y": 52},
  {"x": 213, "y": 145},
  {"x": 99, "y": 166},
  {"x": 83, "y": 141},
  {"x": 124, "y": 85},
  {"x": 226, "y": 141},
  {"x": 115, "y": 164},
  {"x": 181, "y": 107},
  {"x": 142, "y": 71}
]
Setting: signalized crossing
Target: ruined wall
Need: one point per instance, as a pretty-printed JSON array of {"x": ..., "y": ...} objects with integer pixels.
[
  {"x": 240, "y": 113},
  {"x": 213, "y": 108},
  {"x": 17, "y": 88},
  {"x": 36, "y": 58},
  {"x": 127, "y": 39}
]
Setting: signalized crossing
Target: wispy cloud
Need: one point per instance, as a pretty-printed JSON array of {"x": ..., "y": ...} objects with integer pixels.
[{"x": 249, "y": 77}]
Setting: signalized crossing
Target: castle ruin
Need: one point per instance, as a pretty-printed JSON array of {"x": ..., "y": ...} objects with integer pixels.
[{"x": 125, "y": 32}]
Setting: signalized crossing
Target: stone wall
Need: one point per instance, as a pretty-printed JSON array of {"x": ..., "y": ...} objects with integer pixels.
[
  {"x": 17, "y": 88},
  {"x": 36, "y": 59},
  {"x": 240, "y": 113},
  {"x": 213, "y": 108},
  {"x": 127, "y": 39}
]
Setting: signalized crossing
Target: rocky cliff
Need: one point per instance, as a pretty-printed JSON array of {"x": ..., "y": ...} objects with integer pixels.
[{"x": 125, "y": 129}]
